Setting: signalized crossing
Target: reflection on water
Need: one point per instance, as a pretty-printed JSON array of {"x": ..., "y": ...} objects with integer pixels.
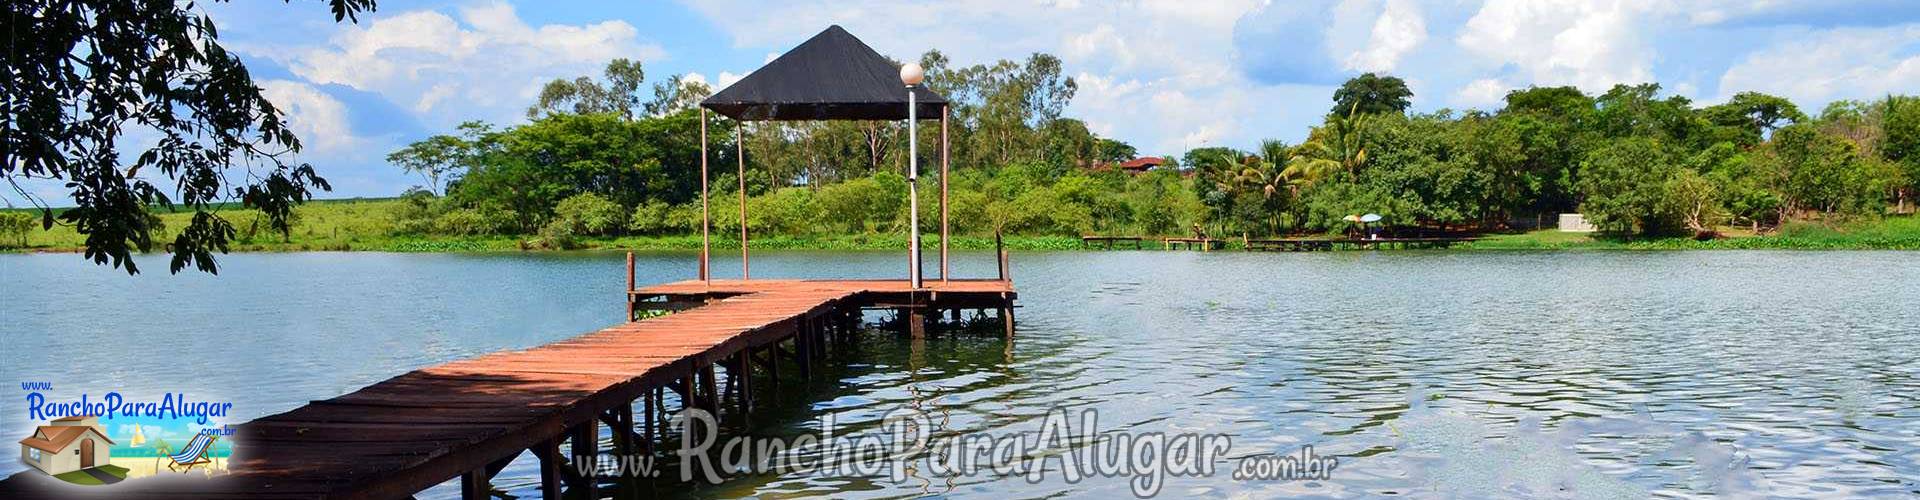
[{"x": 1431, "y": 374}]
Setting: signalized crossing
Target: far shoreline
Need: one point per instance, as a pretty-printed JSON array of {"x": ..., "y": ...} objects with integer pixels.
[{"x": 1539, "y": 240}]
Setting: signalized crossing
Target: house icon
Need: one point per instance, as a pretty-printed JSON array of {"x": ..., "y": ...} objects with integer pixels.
[{"x": 69, "y": 444}]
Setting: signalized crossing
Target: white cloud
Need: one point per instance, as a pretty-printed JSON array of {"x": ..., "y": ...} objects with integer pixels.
[
  {"x": 1397, "y": 30},
  {"x": 1592, "y": 45},
  {"x": 488, "y": 59},
  {"x": 1485, "y": 93},
  {"x": 319, "y": 120},
  {"x": 1845, "y": 63},
  {"x": 726, "y": 79}
]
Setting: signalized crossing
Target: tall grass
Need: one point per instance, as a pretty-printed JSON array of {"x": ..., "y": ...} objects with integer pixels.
[{"x": 369, "y": 225}]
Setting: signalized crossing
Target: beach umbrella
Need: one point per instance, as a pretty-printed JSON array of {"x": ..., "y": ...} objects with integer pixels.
[
  {"x": 1351, "y": 218},
  {"x": 1370, "y": 218}
]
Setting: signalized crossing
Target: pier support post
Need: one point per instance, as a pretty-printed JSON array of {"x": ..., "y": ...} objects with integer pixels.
[
  {"x": 548, "y": 452},
  {"x": 917, "y": 322},
  {"x": 687, "y": 397},
  {"x": 623, "y": 429},
  {"x": 712, "y": 395},
  {"x": 773, "y": 367},
  {"x": 822, "y": 336},
  {"x": 474, "y": 485},
  {"x": 803, "y": 354},
  {"x": 742, "y": 380},
  {"x": 850, "y": 320},
  {"x": 586, "y": 450},
  {"x": 1006, "y": 318}
]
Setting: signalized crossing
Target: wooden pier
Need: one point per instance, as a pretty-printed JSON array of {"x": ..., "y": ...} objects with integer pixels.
[
  {"x": 1204, "y": 244},
  {"x": 1314, "y": 244},
  {"x": 1108, "y": 241},
  {"x": 468, "y": 419}
]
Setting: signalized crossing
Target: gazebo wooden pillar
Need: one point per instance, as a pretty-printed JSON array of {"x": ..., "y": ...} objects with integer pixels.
[
  {"x": 945, "y": 112},
  {"x": 706, "y": 222}
]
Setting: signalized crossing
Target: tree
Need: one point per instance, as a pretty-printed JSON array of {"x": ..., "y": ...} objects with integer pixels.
[
  {"x": 1267, "y": 173},
  {"x": 1334, "y": 147},
  {"x": 1624, "y": 185},
  {"x": 1066, "y": 144},
  {"x": 1695, "y": 200},
  {"x": 14, "y": 227},
  {"x": 1109, "y": 150},
  {"x": 1818, "y": 172},
  {"x": 1567, "y": 102},
  {"x": 619, "y": 94},
  {"x": 79, "y": 72},
  {"x": 1372, "y": 94},
  {"x": 1494, "y": 154},
  {"x": 1900, "y": 125},
  {"x": 999, "y": 109},
  {"x": 677, "y": 94},
  {"x": 1556, "y": 127},
  {"x": 1755, "y": 114},
  {"x": 1637, "y": 111},
  {"x": 435, "y": 157}
]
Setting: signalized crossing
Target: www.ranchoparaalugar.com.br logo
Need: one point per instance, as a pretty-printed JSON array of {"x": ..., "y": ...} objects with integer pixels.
[
  {"x": 106, "y": 440},
  {"x": 908, "y": 445}
]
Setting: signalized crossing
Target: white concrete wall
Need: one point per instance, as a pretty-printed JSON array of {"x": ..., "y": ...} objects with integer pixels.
[{"x": 1575, "y": 223}]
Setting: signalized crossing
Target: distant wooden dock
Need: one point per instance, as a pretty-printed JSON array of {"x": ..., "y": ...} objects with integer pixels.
[
  {"x": 469, "y": 419},
  {"x": 1204, "y": 244},
  {"x": 1108, "y": 241},
  {"x": 1316, "y": 244}
]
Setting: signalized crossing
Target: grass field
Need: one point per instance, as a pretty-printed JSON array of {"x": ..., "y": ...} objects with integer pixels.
[
  {"x": 369, "y": 225},
  {"x": 1892, "y": 233}
]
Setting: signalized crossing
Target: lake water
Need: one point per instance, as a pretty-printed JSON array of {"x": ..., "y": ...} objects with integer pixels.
[{"x": 1431, "y": 374}]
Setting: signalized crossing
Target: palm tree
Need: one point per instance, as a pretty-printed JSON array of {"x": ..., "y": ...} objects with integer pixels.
[
  {"x": 1330, "y": 148},
  {"x": 1223, "y": 170},
  {"x": 1264, "y": 171}
]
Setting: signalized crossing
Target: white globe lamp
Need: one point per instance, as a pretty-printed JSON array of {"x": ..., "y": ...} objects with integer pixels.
[{"x": 911, "y": 74}]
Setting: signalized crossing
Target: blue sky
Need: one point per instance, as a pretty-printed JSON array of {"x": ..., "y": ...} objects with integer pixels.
[{"x": 1164, "y": 75}]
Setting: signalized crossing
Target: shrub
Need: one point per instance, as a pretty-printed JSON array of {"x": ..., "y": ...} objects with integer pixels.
[
  {"x": 684, "y": 218},
  {"x": 651, "y": 217},
  {"x": 588, "y": 214},
  {"x": 788, "y": 211},
  {"x": 416, "y": 213},
  {"x": 865, "y": 204},
  {"x": 557, "y": 235}
]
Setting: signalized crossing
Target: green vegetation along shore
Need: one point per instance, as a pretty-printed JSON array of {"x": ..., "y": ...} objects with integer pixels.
[
  {"x": 597, "y": 164},
  {"x": 371, "y": 225}
]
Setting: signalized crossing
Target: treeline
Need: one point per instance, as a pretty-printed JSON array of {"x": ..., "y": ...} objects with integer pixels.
[
  {"x": 1631, "y": 160},
  {"x": 599, "y": 158}
]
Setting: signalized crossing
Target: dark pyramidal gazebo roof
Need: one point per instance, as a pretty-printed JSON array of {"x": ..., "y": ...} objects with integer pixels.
[{"x": 832, "y": 76}]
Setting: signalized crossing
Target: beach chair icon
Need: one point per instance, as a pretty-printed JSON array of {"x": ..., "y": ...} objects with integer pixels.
[{"x": 194, "y": 453}]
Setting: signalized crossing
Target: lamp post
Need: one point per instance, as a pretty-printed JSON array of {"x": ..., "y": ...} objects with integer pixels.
[{"x": 911, "y": 74}]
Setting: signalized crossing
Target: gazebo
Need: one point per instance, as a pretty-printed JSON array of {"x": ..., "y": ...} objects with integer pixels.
[{"x": 832, "y": 76}]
